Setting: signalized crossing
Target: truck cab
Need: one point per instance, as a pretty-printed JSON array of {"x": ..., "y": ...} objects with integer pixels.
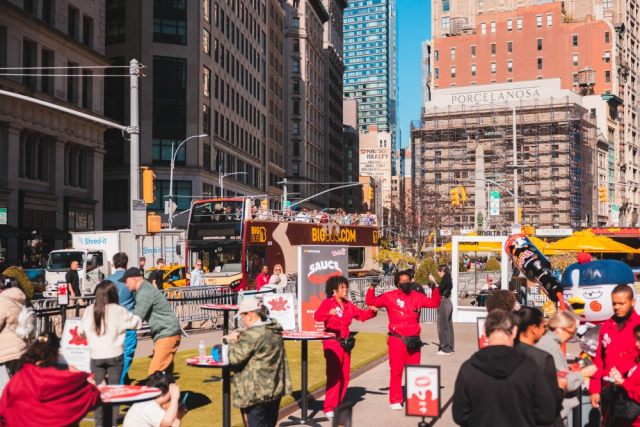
[{"x": 92, "y": 269}]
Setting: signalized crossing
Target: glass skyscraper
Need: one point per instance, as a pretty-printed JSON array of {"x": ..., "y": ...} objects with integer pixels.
[{"x": 370, "y": 60}]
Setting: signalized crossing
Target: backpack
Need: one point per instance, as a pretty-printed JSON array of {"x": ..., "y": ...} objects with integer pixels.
[{"x": 26, "y": 322}]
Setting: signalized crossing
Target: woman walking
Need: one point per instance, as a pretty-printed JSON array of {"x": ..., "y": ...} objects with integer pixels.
[
  {"x": 12, "y": 346},
  {"x": 337, "y": 313},
  {"x": 105, "y": 324},
  {"x": 445, "y": 311}
]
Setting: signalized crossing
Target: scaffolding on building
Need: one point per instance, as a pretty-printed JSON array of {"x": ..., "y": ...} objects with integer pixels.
[{"x": 555, "y": 141}]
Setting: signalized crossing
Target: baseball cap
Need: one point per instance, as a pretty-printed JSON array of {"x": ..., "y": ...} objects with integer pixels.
[
  {"x": 248, "y": 305},
  {"x": 132, "y": 272}
]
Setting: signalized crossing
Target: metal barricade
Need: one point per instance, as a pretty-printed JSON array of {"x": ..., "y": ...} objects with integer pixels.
[
  {"x": 186, "y": 303},
  {"x": 49, "y": 313}
]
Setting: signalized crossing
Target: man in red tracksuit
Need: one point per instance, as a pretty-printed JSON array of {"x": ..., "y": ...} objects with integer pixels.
[
  {"x": 403, "y": 307},
  {"x": 616, "y": 346}
]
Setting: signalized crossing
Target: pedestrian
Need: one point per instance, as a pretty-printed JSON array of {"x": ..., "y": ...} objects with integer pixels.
[
  {"x": 152, "y": 413},
  {"x": 128, "y": 301},
  {"x": 278, "y": 279},
  {"x": 630, "y": 388},
  {"x": 40, "y": 394},
  {"x": 562, "y": 327},
  {"x": 143, "y": 262},
  {"x": 104, "y": 324},
  {"x": 445, "y": 312},
  {"x": 153, "y": 307},
  {"x": 501, "y": 299},
  {"x": 196, "y": 278},
  {"x": 616, "y": 348},
  {"x": 12, "y": 346},
  {"x": 262, "y": 278},
  {"x": 337, "y": 313},
  {"x": 531, "y": 327},
  {"x": 499, "y": 386},
  {"x": 403, "y": 306},
  {"x": 73, "y": 281},
  {"x": 262, "y": 375},
  {"x": 156, "y": 278}
]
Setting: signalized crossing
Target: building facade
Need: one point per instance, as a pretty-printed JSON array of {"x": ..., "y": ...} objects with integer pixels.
[
  {"x": 50, "y": 161},
  {"x": 376, "y": 168},
  {"x": 425, "y": 70},
  {"x": 352, "y": 196},
  {"x": 226, "y": 54}
]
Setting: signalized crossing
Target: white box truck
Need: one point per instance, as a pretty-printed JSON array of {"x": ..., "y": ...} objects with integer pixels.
[{"x": 94, "y": 251}]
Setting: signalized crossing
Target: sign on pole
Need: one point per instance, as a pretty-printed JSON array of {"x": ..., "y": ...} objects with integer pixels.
[
  {"x": 494, "y": 203},
  {"x": 139, "y": 216},
  {"x": 63, "y": 293},
  {"x": 423, "y": 391},
  {"x": 615, "y": 215},
  {"x": 73, "y": 348},
  {"x": 316, "y": 265},
  {"x": 281, "y": 308}
]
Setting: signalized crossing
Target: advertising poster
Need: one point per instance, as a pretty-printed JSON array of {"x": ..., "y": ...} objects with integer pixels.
[
  {"x": 483, "y": 341},
  {"x": 73, "y": 348},
  {"x": 536, "y": 297},
  {"x": 316, "y": 265},
  {"x": 281, "y": 308},
  {"x": 423, "y": 391}
]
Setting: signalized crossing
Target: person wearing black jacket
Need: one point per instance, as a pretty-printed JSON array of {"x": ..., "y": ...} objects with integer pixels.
[
  {"x": 445, "y": 311},
  {"x": 532, "y": 328},
  {"x": 499, "y": 386}
]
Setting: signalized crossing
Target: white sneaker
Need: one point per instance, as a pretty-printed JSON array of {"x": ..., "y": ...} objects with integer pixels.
[
  {"x": 329, "y": 414},
  {"x": 444, "y": 353},
  {"x": 396, "y": 406}
]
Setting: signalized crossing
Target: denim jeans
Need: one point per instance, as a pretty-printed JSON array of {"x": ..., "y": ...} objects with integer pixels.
[{"x": 445, "y": 325}]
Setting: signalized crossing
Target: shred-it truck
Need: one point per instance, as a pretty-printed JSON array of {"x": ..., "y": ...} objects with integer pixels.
[{"x": 94, "y": 251}]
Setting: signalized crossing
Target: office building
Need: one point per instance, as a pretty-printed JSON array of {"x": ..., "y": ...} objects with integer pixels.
[
  {"x": 352, "y": 196},
  {"x": 426, "y": 70},
  {"x": 376, "y": 168}
]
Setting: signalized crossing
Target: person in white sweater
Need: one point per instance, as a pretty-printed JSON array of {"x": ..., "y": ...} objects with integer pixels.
[{"x": 104, "y": 324}]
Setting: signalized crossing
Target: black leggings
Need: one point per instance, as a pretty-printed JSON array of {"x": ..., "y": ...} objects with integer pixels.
[{"x": 264, "y": 414}]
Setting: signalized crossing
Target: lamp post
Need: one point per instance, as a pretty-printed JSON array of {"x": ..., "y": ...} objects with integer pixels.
[
  {"x": 173, "y": 163},
  {"x": 221, "y": 178}
]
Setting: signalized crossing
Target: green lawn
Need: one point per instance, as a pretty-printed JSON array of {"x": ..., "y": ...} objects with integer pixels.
[{"x": 205, "y": 398}]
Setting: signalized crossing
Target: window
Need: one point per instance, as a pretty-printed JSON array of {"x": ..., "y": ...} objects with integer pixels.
[
  {"x": 549, "y": 19},
  {"x": 493, "y": 49},
  {"x": 453, "y": 53},
  {"x": 206, "y": 41},
  {"x": 453, "y": 71},
  {"x": 206, "y": 82},
  {"x": 295, "y": 22},
  {"x": 296, "y": 107},
  {"x": 87, "y": 89},
  {"x": 114, "y": 27},
  {"x": 296, "y": 87},
  {"x": 435, "y": 55},
  {"x": 296, "y": 45},
  {"x": 607, "y": 76},
  {"x": 519, "y": 23},
  {"x": 445, "y": 22},
  {"x": 483, "y": 28},
  {"x": 607, "y": 39},
  {"x": 493, "y": 27},
  {"x": 575, "y": 40},
  {"x": 161, "y": 151},
  {"x": 575, "y": 59},
  {"x": 473, "y": 51},
  {"x": 509, "y": 47},
  {"x": 473, "y": 69},
  {"x": 480, "y": 3},
  {"x": 180, "y": 188},
  {"x": 170, "y": 21},
  {"x": 575, "y": 79},
  {"x": 296, "y": 169},
  {"x": 295, "y": 128},
  {"x": 539, "y": 44},
  {"x": 493, "y": 68},
  {"x": 169, "y": 97},
  {"x": 296, "y": 66},
  {"x": 87, "y": 31},
  {"x": 539, "y": 64},
  {"x": 72, "y": 83},
  {"x": 538, "y": 21},
  {"x": 206, "y": 120},
  {"x": 607, "y": 4},
  {"x": 607, "y": 56},
  {"x": 445, "y": 5},
  {"x": 437, "y": 72},
  {"x": 206, "y": 9},
  {"x": 296, "y": 148},
  {"x": 510, "y": 66},
  {"x": 509, "y": 24}
]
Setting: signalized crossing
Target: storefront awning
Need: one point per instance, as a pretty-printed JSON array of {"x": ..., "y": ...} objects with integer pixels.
[
  {"x": 9, "y": 232},
  {"x": 54, "y": 233}
]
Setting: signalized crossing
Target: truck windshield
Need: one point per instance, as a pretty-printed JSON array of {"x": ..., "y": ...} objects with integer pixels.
[{"x": 61, "y": 261}]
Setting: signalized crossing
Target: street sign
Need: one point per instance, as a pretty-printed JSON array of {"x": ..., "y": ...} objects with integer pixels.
[
  {"x": 423, "y": 391},
  {"x": 139, "y": 217},
  {"x": 494, "y": 203},
  {"x": 169, "y": 207},
  {"x": 615, "y": 215},
  {"x": 3, "y": 216}
]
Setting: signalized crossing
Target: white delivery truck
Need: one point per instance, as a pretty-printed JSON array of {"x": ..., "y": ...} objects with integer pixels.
[{"x": 94, "y": 251}]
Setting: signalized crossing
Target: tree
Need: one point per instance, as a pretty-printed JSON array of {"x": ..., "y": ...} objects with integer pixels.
[
  {"x": 403, "y": 261},
  {"x": 492, "y": 265},
  {"x": 428, "y": 265},
  {"x": 16, "y": 273}
]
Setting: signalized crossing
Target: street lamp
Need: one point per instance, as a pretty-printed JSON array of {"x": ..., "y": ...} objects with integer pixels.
[
  {"x": 173, "y": 163},
  {"x": 221, "y": 178}
]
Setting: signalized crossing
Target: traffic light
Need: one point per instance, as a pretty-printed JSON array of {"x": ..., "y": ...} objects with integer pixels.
[
  {"x": 602, "y": 192},
  {"x": 154, "y": 223},
  {"x": 455, "y": 197},
  {"x": 519, "y": 215},
  {"x": 463, "y": 194},
  {"x": 370, "y": 193},
  {"x": 148, "y": 188}
]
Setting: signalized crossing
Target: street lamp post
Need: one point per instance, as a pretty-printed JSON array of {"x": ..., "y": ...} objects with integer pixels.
[
  {"x": 221, "y": 178},
  {"x": 173, "y": 163}
]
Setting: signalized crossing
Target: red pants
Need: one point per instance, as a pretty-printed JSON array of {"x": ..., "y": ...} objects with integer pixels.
[
  {"x": 338, "y": 373},
  {"x": 399, "y": 356}
]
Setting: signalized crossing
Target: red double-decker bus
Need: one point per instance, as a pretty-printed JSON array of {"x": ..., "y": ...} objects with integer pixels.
[{"x": 234, "y": 245}]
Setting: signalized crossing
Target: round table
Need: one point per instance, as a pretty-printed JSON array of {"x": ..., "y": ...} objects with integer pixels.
[
  {"x": 305, "y": 337},
  {"x": 226, "y": 384},
  {"x": 225, "y": 308},
  {"x": 117, "y": 394}
]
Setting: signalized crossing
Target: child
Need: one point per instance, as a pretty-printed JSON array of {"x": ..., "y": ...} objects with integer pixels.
[{"x": 150, "y": 413}]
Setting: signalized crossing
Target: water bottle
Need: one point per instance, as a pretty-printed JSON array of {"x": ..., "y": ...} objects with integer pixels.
[{"x": 202, "y": 352}]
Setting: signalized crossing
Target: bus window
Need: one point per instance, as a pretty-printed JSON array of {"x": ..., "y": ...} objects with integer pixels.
[
  {"x": 256, "y": 257},
  {"x": 356, "y": 258}
]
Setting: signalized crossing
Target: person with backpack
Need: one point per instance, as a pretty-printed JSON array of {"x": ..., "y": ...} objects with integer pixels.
[{"x": 15, "y": 317}]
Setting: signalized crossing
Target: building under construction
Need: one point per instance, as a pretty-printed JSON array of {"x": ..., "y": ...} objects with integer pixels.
[{"x": 555, "y": 152}]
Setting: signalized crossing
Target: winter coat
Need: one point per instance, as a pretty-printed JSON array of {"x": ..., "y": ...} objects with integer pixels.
[
  {"x": 118, "y": 320},
  {"x": 11, "y": 345},
  {"x": 403, "y": 309},
  {"x": 499, "y": 386},
  {"x": 261, "y": 362}
]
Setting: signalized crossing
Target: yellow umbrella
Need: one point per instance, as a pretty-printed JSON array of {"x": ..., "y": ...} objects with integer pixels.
[
  {"x": 617, "y": 246},
  {"x": 473, "y": 246},
  {"x": 586, "y": 241}
]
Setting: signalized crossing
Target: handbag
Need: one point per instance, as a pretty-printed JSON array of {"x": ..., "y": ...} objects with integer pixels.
[
  {"x": 412, "y": 343},
  {"x": 626, "y": 409},
  {"x": 348, "y": 343}
]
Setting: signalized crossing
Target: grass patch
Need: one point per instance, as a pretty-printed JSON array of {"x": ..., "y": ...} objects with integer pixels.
[{"x": 205, "y": 398}]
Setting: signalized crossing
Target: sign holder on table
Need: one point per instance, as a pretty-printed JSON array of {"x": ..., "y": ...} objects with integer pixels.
[{"x": 423, "y": 392}]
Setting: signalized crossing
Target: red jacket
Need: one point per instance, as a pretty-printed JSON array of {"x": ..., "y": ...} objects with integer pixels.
[
  {"x": 47, "y": 397},
  {"x": 403, "y": 309},
  {"x": 339, "y": 322},
  {"x": 619, "y": 350},
  {"x": 261, "y": 280},
  {"x": 632, "y": 386}
]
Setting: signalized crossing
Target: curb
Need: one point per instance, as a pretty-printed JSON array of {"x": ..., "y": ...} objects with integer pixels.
[{"x": 295, "y": 406}]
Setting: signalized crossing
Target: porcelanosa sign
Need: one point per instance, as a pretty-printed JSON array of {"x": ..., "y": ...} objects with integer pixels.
[{"x": 495, "y": 96}]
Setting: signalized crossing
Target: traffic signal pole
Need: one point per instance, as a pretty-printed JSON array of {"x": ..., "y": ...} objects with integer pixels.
[{"x": 134, "y": 160}]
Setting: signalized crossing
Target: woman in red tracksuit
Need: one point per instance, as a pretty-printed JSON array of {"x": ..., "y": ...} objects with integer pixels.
[
  {"x": 337, "y": 313},
  {"x": 403, "y": 307},
  {"x": 630, "y": 384}
]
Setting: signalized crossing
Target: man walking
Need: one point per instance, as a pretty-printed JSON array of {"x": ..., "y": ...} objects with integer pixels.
[
  {"x": 153, "y": 307},
  {"x": 499, "y": 386},
  {"x": 128, "y": 301},
  {"x": 196, "y": 278},
  {"x": 73, "y": 281},
  {"x": 143, "y": 262},
  {"x": 156, "y": 278}
]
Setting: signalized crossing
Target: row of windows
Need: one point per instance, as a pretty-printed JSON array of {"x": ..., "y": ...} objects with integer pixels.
[
  {"x": 510, "y": 70},
  {"x": 242, "y": 75},
  {"x": 236, "y": 134}
]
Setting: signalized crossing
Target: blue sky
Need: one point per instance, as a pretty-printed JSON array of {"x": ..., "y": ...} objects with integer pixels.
[{"x": 414, "y": 26}]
